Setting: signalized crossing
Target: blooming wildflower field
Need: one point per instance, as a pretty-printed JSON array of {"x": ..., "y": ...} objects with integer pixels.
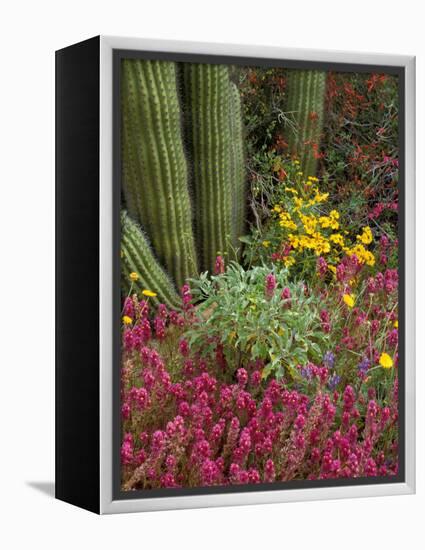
[{"x": 259, "y": 258}]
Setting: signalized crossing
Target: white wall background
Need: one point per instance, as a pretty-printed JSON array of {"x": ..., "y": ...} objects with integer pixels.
[{"x": 30, "y": 31}]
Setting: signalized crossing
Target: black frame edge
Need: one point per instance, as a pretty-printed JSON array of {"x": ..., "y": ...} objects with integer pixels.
[{"x": 77, "y": 459}]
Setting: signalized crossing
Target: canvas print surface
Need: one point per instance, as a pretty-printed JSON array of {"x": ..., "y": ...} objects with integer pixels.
[{"x": 259, "y": 275}]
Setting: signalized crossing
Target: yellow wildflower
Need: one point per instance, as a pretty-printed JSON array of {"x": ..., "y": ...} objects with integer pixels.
[
  {"x": 366, "y": 236},
  {"x": 298, "y": 202},
  {"x": 332, "y": 268},
  {"x": 277, "y": 208},
  {"x": 385, "y": 361},
  {"x": 369, "y": 258},
  {"x": 285, "y": 220},
  {"x": 306, "y": 242},
  {"x": 396, "y": 323},
  {"x": 294, "y": 241},
  {"x": 266, "y": 244},
  {"x": 364, "y": 256},
  {"x": 320, "y": 244},
  {"x": 330, "y": 221},
  {"x": 349, "y": 300},
  {"x": 309, "y": 223},
  {"x": 288, "y": 261},
  {"x": 321, "y": 197},
  {"x": 133, "y": 276},
  {"x": 127, "y": 320},
  {"x": 149, "y": 293},
  {"x": 325, "y": 221},
  {"x": 337, "y": 238}
]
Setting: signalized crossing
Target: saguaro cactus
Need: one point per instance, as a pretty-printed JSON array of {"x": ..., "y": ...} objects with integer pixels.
[
  {"x": 215, "y": 141},
  {"x": 137, "y": 257},
  {"x": 305, "y": 103},
  {"x": 154, "y": 165}
]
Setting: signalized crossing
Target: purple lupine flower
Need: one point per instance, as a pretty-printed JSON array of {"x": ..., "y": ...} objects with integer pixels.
[
  {"x": 363, "y": 366},
  {"x": 329, "y": 360},
  {"x": 333, "y": 382},
  {"x": 306, "y": 372}
]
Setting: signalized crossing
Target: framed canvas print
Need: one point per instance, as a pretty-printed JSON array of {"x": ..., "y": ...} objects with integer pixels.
[{"x": 235, "y": 274}]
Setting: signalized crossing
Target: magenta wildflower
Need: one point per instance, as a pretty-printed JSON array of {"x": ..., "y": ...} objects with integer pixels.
[
  {"x": 321, "y": 266},
  {"x": 286, "y": 294},
  {"x": 128, "y": 308},
  {"x": 159, "y": 325},
  {"x": 242, "y": 377},
  {"x": 270, "y": 285},
  {"x": 184, "y": 347},
  {"x": 219, "y": 265}
]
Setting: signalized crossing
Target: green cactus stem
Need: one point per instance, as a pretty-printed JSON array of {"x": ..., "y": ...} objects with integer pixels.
[
  {"x": 154, "y": 166},
  {"x": 137, "y": 257},
  {"x": 305, "y": 104},
  {"x": 216, "y": 173}
]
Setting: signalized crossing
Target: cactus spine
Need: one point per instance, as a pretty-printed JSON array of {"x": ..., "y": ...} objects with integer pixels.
[
  {"x": 137, "y": 256},
  {"x": 216, "y": 174},
  {"x": 305, "y": 103},
  {"x": 154, "y": 166}
]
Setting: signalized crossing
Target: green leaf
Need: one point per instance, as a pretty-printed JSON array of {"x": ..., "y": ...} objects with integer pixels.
[{"x": 245, "y": 239}]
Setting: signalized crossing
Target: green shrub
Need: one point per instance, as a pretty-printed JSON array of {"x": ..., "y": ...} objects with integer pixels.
[{"x": 240, "y": 310}]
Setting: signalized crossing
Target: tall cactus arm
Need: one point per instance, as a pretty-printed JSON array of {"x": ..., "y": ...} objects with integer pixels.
[
  {"x": 305, "y": 103},
  {"x": 208, "y": 93},
  {"x": 154, "y": 170},
  {"x": 137, "y": 257}
]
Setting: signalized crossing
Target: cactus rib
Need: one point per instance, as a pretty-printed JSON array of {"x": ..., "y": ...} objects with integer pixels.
[
  {"x": 238, "y": 166},
  {"x": 305, "y": 103},
  {"x": 217, "y": 184},
  {"x": 137, "y": 256}
]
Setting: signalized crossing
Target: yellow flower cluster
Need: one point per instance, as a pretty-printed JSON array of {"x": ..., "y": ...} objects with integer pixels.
[
  {"x": 306, "y": 227},
  {"x": 288, "y": 261},
  {"x": 337, "y": 238},
  {"x": 364, "y": 256},
  {"x": 309, "y": 222},
  {"x": 366, "y": 236},
  {"x": 285, "y": 220},
  {"x": 316, "y": 242},
  {"x": 330, "y": 221}
]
